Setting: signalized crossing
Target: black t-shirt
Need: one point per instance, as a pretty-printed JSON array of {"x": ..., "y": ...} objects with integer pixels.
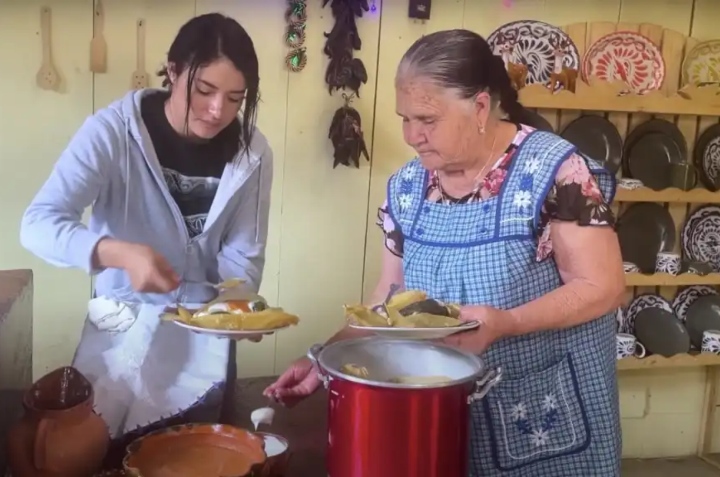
[{"x": 192, "y": 168}]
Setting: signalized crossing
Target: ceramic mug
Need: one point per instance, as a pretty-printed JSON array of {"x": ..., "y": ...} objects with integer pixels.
[
  {"x": 628, "y": 345},
  {"x": 629, "y": 267},
  {"x": 711, "y": 342},
  {"x": 667, "y": 262},
  {"x": 629, "y": 184}
]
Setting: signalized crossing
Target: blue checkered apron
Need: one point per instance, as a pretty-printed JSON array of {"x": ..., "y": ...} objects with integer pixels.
[{"x": 555, "y": 414}]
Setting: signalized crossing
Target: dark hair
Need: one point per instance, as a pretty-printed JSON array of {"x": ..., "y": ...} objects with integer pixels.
[
  {"x": 205, "y": 39},
  {"x": 462, "y": 60}
]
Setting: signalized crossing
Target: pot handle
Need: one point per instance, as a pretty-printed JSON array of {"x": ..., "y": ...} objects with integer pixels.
[
  {"x": 485, "y": 384},
  {"x": 313, "y": 355},
  {"x": 40, "y": 444}
]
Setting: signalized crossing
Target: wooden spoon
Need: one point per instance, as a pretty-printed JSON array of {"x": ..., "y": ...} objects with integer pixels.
[
  {"x": 47, "y": 77},
  {"x": 140, "y": 77},
  {"x": 98, "y": 46}
]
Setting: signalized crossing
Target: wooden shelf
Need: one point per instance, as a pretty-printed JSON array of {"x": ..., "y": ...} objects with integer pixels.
[
  {"x": 667, "y": 280},
  {"x": 610, "y": 97},
  {"x": 692, "y": 360},
  {"x": 643, "y": 194}
]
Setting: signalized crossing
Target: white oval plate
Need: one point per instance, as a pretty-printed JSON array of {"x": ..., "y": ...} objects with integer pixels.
[
  {"x": 231, "y": 334},
  {"x": 417, "y": 333}
]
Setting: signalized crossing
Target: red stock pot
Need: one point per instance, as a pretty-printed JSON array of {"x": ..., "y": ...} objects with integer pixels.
[{"x": 379, "y": 428}]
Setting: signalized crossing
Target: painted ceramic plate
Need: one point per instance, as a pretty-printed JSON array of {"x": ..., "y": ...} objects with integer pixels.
[
  {"x": 417, "y": 333},
  {"x": 701, "y": 236},
  {"x": 702, "y": 65},
  {"x": 706, "y": 157},
  {"x": 626, "y": 56},
  {"x": 688, "y": 296},
  {"x": 533, "y": 44},
  {"x": 640, "y": 303}
]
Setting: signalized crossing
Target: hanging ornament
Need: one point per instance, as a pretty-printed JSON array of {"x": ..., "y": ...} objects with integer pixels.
[
  {"x": 343, "y": 71},
  {"x": 296, "y": 12},
  {"x": 296, "y": 16},
  {"x": 295, "y": 35},
  {"x": 296, "y": 60},
  {"x": 347, "y": 136}
]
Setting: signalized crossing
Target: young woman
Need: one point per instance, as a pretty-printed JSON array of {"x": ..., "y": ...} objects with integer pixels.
[{"x": 179, "y": 183}]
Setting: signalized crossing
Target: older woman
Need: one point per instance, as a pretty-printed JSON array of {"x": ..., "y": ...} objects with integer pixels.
[{"x": 513, "y": 224}]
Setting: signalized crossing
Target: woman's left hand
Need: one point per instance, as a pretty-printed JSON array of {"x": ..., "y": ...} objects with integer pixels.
[{"x": 478, "y": 340}]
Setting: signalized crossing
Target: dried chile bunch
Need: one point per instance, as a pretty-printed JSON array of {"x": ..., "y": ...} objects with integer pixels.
[
  {"x": 347, "y": 136},
  {"x": 344, "y": 71}
]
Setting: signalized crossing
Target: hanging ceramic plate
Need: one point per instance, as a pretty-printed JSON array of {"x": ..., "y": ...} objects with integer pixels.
[
  {"x": 688, "y": 296},
  {"x": 597, "y": 138},
  {"x": 640, "y": 303},
  {"x": 657, "y": 126},
  {"x": 702, "y": 65},
  {"x": 701, "y": 236},
  {"x": 538, "y": 122},
  {"x": 661, "y": 332},
  {"x": 645, "y": 229},
  {"x": 625, "y": 56},
  {"x": 706, "y": 157},
  {"x": 703, "y": 315},
  {"x": 649, "y": 160},
  {"x": 532, "y": 43}
]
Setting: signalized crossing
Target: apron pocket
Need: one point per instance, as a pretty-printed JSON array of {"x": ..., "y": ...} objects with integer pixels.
[{"x": 538, "y": 417}]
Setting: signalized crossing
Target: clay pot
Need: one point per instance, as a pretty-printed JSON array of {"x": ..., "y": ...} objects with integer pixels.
[
  {"x": 59, "y": 435},
  {"x": 193, "y": 450}
]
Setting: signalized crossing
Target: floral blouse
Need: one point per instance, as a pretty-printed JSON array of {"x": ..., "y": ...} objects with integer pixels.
[{"x": 574, "y": 197}]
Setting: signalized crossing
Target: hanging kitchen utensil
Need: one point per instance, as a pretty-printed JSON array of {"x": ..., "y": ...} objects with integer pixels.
[
  {"x": 47, "y": 76},
  {"x": 140, "y": 78},
  {"x": 98, "y": 46}
]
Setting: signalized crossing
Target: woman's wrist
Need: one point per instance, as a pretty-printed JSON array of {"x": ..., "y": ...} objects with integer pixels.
[{"x": 109, "y": 253}]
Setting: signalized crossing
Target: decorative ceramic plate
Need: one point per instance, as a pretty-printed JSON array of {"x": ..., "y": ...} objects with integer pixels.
[
  {"x": 597, "y": 138},
  {"x": 702, "y": 65},
  {"x": 218, "y": 333},
  {"x": 628, "y": 57},
  {"x": 640, "y": 303},
  {"x": 687, "y": 297},
  {"x": 645, "y": 229},
  {"x": 701, "y": 236},
  {"x": 533, "y": 44},
  {"x": 706, "y": 157},
  {"x": 650, "y": 160},
  {"x": 417, "y": 333}
]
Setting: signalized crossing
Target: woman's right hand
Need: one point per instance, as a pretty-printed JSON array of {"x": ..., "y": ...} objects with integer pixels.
[
  {"x": 149, "y": 272},
  {"x": 297, "y": 382}
]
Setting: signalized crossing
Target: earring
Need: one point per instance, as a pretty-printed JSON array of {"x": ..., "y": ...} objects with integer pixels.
[{"x": 481, "y": 129}]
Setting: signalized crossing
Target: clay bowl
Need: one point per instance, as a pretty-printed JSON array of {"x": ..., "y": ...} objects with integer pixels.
[
  {"x": 278, "y": 454},
  {"x": 210, "y": 450}
]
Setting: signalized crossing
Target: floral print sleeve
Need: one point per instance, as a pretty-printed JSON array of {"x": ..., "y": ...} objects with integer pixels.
[
  {"x": 393, "y": 236},
  {"x": 575, "y": 197}
]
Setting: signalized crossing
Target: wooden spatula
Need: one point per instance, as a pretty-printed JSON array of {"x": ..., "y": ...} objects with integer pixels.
[
  {"x": 98, "y": 46},
  {"x": 47, "y": 77},
  {"x": 140, "y": 77}
]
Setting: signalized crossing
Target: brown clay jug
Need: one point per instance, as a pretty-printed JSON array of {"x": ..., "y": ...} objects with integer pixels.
[{"x": 59, "y": 435}]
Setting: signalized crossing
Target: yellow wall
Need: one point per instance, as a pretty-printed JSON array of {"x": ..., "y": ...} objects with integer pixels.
[{"x": 321, "y": 218}]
